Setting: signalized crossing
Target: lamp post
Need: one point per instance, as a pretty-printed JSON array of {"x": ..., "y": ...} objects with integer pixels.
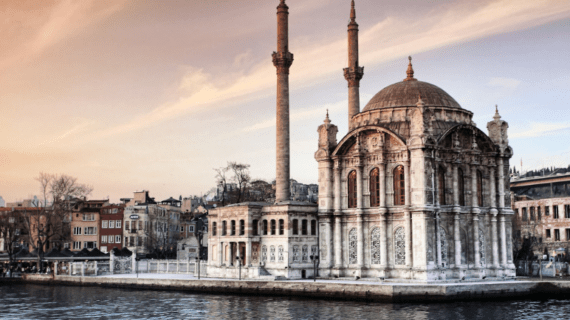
[
  {"x": 315, "y": 258},
  {"x": 198, "y": 265},
  {"x": 239, "y": 264}
]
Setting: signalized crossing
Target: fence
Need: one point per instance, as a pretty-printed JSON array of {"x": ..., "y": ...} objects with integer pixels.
[
  {"x": 83, "y": 268},
  {"x": 549, "y": 269},
  {"x": 127, "y": 265}
]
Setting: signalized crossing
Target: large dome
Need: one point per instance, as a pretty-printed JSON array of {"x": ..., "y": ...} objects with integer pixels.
[{"x": 407, "y": 93}]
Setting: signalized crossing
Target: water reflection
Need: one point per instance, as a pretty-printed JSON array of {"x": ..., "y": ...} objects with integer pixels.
[{"x": 45, "y": 302}]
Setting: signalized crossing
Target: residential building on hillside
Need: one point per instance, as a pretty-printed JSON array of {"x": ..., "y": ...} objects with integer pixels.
[{"x": 85, "y": 222}]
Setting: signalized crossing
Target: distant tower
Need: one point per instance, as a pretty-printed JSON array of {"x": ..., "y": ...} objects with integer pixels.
[
  {"x": 354, "y": 72},
  {"x": 282, "y": 59}
]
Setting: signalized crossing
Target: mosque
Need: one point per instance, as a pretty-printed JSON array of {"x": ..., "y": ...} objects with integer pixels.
[{"x": 414, "y": 191}]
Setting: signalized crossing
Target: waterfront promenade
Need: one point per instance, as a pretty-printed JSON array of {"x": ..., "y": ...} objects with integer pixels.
[{"x": 327, "y": 289}]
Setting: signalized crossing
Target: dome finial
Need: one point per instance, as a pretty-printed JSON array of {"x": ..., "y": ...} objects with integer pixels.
[
  {"x": 410, "y": 71},
  {"x": 497, "y": 116},
  {"x": 352, "y": 12},
  {"x": 327, "y": 120}
]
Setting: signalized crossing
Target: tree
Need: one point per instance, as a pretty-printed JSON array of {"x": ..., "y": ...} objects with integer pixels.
[
  {"x": 241, "y": 178},
  {"x": 163, "y": 233},
  {"x": 260, "y": 190},
  {"x": 222, "y": 181},
  {"x": 49, "y": 224},
  {"x": 11, "y": 231}
]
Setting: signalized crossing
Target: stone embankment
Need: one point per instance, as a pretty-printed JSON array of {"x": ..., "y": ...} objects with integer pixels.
[{"x": 343, "y": 290}]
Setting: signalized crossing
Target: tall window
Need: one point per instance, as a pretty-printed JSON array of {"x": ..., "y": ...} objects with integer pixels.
[
  {"x": 352, "y": 189},
  {"x": 539, "y": 213},
  {"x": 233, "y": 231},
  {"x": 241, "y": 227},
  {"x": 546, "y": 210},
  {"x": 374, "y": 188},
  {"x": 264, "y": 227},
  {"x": 567, "y": 211},
  {"x": 532, "y": 217},
  {"x": 399, "y": 186},
  {"x": 313, "y": 227},
  {"x": 214, "y": 228},
  {"x": 556, "y": 234},
  {"x": 524, "y": 215},
  {"x": 461, "y": 185},
  {"x": 555, "y": 211},
  {"x": 441, "y": 185},
  {"x": 479, "y": 189},
  {"x": 224, "y": 227},
  {"x": 304, "y": 227},
  {"x": 295, "y": 226},
  {"x": 254, "y": 225},
  {"x": 273, "y": 227},
  {"x": 281, "y": 227}
]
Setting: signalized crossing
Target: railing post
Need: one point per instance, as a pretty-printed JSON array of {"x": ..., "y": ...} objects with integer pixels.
[
  {"x": 55, "y": 268},
  {"x": 96, "y": 269},
  {"x": 69, "y": 266},
  {"x": 111, "y": 262},
  {"x": 83, "y": 268}
]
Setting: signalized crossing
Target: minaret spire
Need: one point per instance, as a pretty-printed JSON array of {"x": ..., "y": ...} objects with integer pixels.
[
  {"x": 410, "y": 71},
  {"x": 282, "y": 60},
  {"x": 354, "y": 72}
]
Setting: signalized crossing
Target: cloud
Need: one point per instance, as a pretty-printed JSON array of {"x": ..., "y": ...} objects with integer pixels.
[
  {"x": 541, "y": 129},
  {"x": 506, "y": 83},
  {"x": 316, "y": 61}
]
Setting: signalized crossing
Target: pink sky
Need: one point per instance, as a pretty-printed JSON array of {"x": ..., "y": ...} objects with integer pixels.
[{"x": 132, "y": 95}]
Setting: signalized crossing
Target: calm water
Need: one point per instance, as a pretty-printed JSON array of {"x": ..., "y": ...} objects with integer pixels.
[{"x": 43, "y": 302}]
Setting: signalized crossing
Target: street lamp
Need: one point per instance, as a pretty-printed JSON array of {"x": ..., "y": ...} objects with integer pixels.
[
  {"x": 315, "y": 258},
  {"x": 239, "y": 264},
  {"x": 198, "y": 265}
]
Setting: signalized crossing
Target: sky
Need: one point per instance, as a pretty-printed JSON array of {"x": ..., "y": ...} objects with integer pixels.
[{"x": 153, "y": 95}]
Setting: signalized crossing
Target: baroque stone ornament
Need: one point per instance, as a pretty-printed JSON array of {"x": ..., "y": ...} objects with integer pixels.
[
  {"x": 280, "y": 253},
  {"x": 482, "y": 248},
  {"x": 264, "y": 254},
  {"x": 375, "y": 245},
  {"x": 272, "y": 253},
  {"x": 400, "y": 246},
  {"x": 443, "y": 245},
  {"x": 352, "y": 244},
  {"x": 296, "y": 256},
  {"x": 305, "y": 253}
]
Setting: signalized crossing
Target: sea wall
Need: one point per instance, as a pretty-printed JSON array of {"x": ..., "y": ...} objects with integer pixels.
[{"x": 331, "y": 290}]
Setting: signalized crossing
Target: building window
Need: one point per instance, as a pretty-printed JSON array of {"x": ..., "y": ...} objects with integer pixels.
[
  {"x": 399, "y": 186},
  {"x": 352, "y": 189},
  {"x": 539, "y": 213},
  {"x": 524, "y": 215},
  {"x": 89, "y": 244},
  {"x": 313, "y": 227},
  {"x": 567, "y": 211},
  {"x": 461, "y": 187},
  {"x": 90, "y": 230},
  {"x": 264, "y": 227},
  {"x": 214, "y": 227},
  {"x": 127, "y": 225},
  {"x": 103, "y": 239},
  {"x": 88, "y": 217},
  {"x": 77, "y": 231},
  {"x": 255, "y": 228},
  {"x": 441, "y": 185},
  {"x": 556, "y": 234},
  {"x": 118, "y": 239},
  {"x": 304, "y": 226},
  {"x": 118, "y": 224},
  {"x": 479, "y": 189},
  {"x": 295, "y": 226},
  {"x": 233, "y": 230},
  {"x": 111, "y": 239},
  {"x": 273, "y": 227},
  {"x": 555, "y": 212},
  {"x": 281, "y": 227},
  {"x": 548, "y": 235},
  {"x": 567, "y": 234},
  {"x": 374, "y": 188},
  {"x": 546, "y": 210},
  {"x": 532, "y": 217},
  {"x": 77, "y": 245},
  {"x": 111, "y": 224},
  {"x": 104, "y": 249},
  {"x": 104, "y": 224}
]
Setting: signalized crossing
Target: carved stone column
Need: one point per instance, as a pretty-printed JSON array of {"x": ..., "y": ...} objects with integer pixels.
[
  {"x": 220, "y": 253},
  {"x": 329, "y": 241},
  {"x": 503, "y": 240},
  {"x": 494, "y": 235},
  {"x": 408, "y": 215},
  {"x": 457, "y": 239},
  {"x": 338, "y": 241},
  {"x": 382, "y": 177},
  {"x": 359, "y": 206},
  {"x": 248, "y": 252},
  {"x": 475, "y": 211},
  {"x": 383, "y": 241},
  {"x": 501, "y": 172}
]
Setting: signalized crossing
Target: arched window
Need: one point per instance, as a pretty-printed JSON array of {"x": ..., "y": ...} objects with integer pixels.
[
  {"x": 352, "y": 189},
  {"x": 233, "y": 231},
  {"x": 479, "y": 189},
  {"x": 254, "y": 226},
  {"x": 242, "y": 227},
  {"x": 304, "y": 227},
  {"x": 441, "y": 185},
  {"x": 273, "y": 227},
  {"x": 264, "y": 227},
  {"x": 374, "y": 188},
  {"x": 313, "y": 227},
  {"x": 295, "y": 226},
  {"x": 399, "y": 186},
  {"x": 224, "y": 227},
  {"x": 281, "y": 227},
  {"x": 214, "y": 227},
  {"x": 461, "y": 187}
]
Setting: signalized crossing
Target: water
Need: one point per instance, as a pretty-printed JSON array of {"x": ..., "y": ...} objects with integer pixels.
[{"x": 45, "y": 302}]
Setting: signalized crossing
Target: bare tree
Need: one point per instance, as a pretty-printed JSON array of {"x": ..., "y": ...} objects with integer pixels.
[
  {"x": 222, "y": 180},
  {"x": 50, "y": 223},
  {"x": 241, "y": 177},
  {"x": 11, "y": 230}
]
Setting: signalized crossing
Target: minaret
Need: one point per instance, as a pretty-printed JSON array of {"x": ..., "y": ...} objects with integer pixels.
[
  {"x": 354, "y": 72},
  {"x": 282, "y": 59}
]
